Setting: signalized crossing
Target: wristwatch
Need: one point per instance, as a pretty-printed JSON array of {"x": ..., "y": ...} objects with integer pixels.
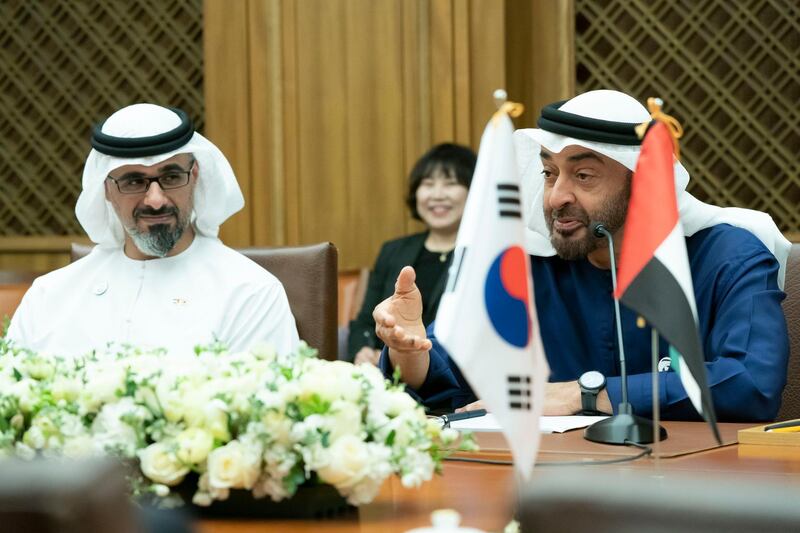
[{"x": 591, "y": 383}]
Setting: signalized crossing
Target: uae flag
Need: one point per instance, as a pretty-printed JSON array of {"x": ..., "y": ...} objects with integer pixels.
[
  {"x": 654, "y": 278},
  {"x": 486, "y": 318}
]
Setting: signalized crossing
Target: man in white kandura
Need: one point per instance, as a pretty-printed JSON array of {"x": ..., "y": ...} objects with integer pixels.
[{"x": 154, "y": 195}]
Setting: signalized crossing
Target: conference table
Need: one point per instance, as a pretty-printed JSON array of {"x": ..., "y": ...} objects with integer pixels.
[{"x": 486, "y": 494}]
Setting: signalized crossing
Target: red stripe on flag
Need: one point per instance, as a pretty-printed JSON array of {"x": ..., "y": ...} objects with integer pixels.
[{"x": 653, "y": 208}]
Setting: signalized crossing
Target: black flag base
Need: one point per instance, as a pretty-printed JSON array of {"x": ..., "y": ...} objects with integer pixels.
[{"x": 623, "y": 428}]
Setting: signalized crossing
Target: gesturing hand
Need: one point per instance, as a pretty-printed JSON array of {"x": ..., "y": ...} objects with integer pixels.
[
  {"x": 398, "y": 322},
  {"x": 398, "y": 319}
]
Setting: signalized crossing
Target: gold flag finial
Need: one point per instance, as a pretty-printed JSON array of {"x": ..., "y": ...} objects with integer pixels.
[
  {"x": 512, "y": 109},
  {"x": 673, "y": 126}
]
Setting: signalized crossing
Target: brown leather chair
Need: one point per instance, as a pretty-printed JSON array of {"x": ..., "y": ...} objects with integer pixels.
[
  {"x": 13, "y": 286},
  {"x": 309, "y": 275},
  {"x": 790, "y": 408}
]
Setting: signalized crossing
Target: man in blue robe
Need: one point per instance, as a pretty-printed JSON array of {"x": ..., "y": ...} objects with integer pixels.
[{"x": 578, "y": 175}]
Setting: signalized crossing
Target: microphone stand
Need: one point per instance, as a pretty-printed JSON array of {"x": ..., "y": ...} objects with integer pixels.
[{"x": 624, "y": 427}]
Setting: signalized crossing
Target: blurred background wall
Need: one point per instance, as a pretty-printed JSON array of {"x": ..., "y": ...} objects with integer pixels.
[{"x": 322, "y": 106}]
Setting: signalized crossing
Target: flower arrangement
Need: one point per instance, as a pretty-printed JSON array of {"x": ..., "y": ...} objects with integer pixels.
[{"x": 257, "y": 420}]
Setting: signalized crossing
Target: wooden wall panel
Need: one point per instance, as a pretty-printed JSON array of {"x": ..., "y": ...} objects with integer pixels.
[
  {"x": 226, "y": 46},
  {"x": 322, "y": 116},
  {"x": 338, "y": 101},
  {"x": 540, "y": 55},
  {"x": 268, "y": 162},
  {"x": 486, "y": 57},
  {"x": 374, "y": 182}
]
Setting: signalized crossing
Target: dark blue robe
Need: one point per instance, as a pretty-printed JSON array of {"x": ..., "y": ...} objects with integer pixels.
[{"x": 742, "y": 327}]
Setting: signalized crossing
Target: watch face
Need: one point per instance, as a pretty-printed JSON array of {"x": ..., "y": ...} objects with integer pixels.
[{"x": 592, "y": 379}]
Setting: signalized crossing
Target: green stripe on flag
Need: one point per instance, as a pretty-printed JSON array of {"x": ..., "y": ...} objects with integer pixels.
[{"x": 676, "y": 360}]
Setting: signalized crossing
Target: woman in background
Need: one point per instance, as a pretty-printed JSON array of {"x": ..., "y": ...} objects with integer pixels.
[{"x": 437, "y": 191}]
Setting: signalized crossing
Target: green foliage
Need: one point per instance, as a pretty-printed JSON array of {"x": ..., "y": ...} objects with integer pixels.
[{"x": 313, "y": 405}]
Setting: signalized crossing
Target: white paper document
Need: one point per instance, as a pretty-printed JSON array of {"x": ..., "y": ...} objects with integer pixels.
[{"x": 548, "y": 424}]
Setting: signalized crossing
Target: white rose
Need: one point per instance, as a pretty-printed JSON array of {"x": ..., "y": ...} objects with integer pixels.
[
  {"x": 448, "y": 436},
  {"x": 330, "y": 380},
  {"x": 234, "y": 466},
  {"x": 26, "y": 392},
  {"x": 373, "y": 375},
  {"x": 64, "y": 388},
  {"x": 344, "y": 419},
  {"x": 160, "y": 465},
  {"x": 349, "y": 464},
  {"x": 194, "y": 445},
  {"x": 35, "y": 438},
  {"x": 315, "y": 456},
  {"x": 111, "y": 432},
  {"x": 278, "y": 427},
  {"x": 147, "y": 396},
  {"x": 17, "y": 421},
  {"x": 171, "y": 401},
  {"x": 365, "y": 491},
  {"x": 204, "y": 489},
  {"x": 23, "y": 451},
  {"x": 416, "y": 467},
  {"x": 243, "y": 388},
  {"x": 397, "y": 402},
  {"x": 202, "y": 499},
  {"x": 103, "y": 381},
  {"x": 79, "y": 447},
  {"x": 213, "y": 417},
  {"x": 263, "y": 351},
  {"x": 404, "y": 432},
  {"x": 38, "y": 367},
  {"x": 272, "y": 487}
]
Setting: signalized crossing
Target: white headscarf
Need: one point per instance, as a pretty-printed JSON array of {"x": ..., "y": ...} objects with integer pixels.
[
  {"x": 619, "y": 107},
  {"x": 216, "y": 196}
]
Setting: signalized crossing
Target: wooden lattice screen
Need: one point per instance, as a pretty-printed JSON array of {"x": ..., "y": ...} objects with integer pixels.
[
  {"x": 728, "y": 70},
  {"x": 65, "y": 65}
]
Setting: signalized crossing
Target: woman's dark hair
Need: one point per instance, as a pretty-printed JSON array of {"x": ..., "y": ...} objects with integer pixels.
[{"x": 453, "y": 160}]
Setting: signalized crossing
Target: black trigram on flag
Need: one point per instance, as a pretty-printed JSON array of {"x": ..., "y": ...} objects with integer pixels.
[
  {"x": 508, "y": 203},
  {"x": 519, "y": 392}
]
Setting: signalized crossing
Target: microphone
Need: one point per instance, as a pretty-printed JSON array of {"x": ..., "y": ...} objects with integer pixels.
[
  {"x": 624, "y": 427},
  {"x": 600, "y": 231}
]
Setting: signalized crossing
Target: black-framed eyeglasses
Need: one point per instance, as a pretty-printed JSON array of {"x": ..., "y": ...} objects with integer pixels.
[{"x": 171, "y": 179}]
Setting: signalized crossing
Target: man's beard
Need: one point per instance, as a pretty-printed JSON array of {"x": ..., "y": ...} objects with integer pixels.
[
  {"x": 159, "y": 239},
  {"x": 611, "y": 214}
]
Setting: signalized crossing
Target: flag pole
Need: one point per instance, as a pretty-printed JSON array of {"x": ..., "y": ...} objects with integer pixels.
[
  {"x": 656, "y": 398},
  {"x": 625, "y": 426}
]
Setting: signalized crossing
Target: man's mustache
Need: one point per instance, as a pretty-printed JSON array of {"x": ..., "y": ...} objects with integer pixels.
[
  {"x": 149, "y": 211},
  {"x": 570, "y": 212}
]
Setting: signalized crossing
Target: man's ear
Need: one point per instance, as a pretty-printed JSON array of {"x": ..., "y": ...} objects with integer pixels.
[
  {"x": 105, "y": 187},
  {"x": 196, "y": 169}
]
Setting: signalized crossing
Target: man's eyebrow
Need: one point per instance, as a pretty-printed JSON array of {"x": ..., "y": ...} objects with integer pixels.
[
  {"x": 585, "y": 155},
  {"x": 171, "y": 166},
  {"x": 545, "y": 155},
  {"x": 131, "y": 175}
]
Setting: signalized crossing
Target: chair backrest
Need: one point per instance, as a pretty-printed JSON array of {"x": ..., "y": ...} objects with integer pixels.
[
  {"x": 10, "y": 297},
  {"x": 790, "y": 407},
  {"x": 13, "y": 286},
  {"x": 309, "y": 275}
]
